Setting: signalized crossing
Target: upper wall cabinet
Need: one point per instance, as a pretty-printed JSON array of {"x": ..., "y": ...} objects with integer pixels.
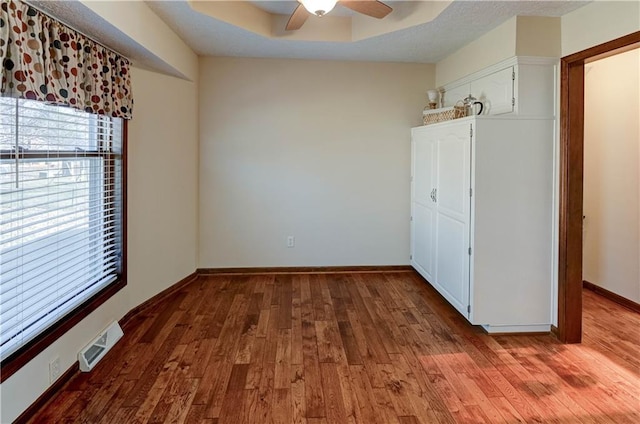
[
  {"x": 495, "y": 91},
  {"x": 520, "y": 85}
]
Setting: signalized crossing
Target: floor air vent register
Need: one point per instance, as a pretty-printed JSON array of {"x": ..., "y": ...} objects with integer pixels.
[{"x": 91, "y": 354}]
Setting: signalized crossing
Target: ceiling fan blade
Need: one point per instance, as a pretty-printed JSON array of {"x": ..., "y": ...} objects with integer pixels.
[
  {"x": 298, "y": 18},
  {"x": 373, "y": 8}
]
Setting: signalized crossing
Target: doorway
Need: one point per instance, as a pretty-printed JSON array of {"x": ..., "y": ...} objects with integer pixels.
[
  {"x": 611, "y": 230},
  {"x": 569, "y": 328}
]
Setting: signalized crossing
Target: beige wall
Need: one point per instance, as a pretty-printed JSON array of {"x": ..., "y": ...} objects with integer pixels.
[
  {"x": 538, "y": 36},
  {"x": 612, "y": 174},
  {"x": 162, "y": 233},
  {"x": 317, "y": 150},
  {"x": 520, "y": 35},
  {"x": 496, "y": 45},
  {"x": 163, "y": 184},
  {"x": 597, "y": 23}
]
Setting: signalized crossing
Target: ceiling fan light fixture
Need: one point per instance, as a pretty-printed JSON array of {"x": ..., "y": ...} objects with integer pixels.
[{"x": 319, "y": 7}]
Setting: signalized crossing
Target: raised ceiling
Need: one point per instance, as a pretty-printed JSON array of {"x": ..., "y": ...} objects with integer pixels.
[
  {"x": 419, "y": 31},
  {"x": 399, "y": 37}
]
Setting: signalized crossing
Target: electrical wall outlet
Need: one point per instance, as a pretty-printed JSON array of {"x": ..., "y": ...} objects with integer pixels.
[
  {"x": 54, "y": 370},
  {"x": 291, "y": 241}
]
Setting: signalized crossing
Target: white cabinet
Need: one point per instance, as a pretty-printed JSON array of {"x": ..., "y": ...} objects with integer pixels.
[
  {"x": 482, "y": 218},
  {"x": 441, "y": 211},
  {"x": 519, "y": 85},
  {"x": 451, "y": 96},
  {"x": 422, "y": 206},
  {"x": 451, "y": 197},
  {"x": 495, "y": 91}
]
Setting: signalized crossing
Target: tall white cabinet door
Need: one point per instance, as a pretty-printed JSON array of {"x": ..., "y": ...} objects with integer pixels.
[
  {"x": 453, "y": 214},
  {"x": 423, "y": 206}
]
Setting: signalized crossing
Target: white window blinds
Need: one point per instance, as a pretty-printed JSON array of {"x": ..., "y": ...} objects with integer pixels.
[{"x": 61, "y": 214}]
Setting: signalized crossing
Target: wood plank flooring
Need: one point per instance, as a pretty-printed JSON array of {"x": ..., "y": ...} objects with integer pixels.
[{"x": 349, "y": 348}]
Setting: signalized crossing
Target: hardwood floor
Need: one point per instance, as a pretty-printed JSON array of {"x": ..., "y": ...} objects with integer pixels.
[{"x": 350, "y": 348}]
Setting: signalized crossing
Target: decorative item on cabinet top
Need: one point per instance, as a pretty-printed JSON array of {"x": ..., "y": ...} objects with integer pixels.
[
  {"x": 434, "y": 96},
  {"x": 433, "y": 116},
  {"x": 470, "y": 103}
]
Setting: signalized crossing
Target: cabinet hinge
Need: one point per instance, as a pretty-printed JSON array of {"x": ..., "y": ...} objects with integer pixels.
[
  {"x": 470, "y": 130},
  {"x": 470, "y": 192},
  {"x": 469, "y": 251},
  {"x": 411, "y": 257},
  {"x": 513, "y": 101},
  {"x": 513, "y": 75},
  {"x": 469, "y": 308},
  {"x": 410, "y": 218}
]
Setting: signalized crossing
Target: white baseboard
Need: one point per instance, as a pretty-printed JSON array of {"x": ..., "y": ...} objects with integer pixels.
[{"x": 506, "y": 329}]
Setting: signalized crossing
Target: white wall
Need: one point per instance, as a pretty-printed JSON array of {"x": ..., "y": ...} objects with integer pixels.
[
  {"x": 162, "y": 223},
  {"x": 612, "y": 174},
  {"x": 597, "y": 23},
  {"x": 317, "y": 150}
]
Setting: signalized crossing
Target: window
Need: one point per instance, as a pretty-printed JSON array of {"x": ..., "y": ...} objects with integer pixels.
[{"x": 61, "y": 219}]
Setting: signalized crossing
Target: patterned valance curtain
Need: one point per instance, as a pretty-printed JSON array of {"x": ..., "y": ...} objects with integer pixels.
[{"x": 45, "y": 60}]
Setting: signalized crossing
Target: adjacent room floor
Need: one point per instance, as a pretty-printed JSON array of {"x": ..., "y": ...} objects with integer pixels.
[{"x": 350, "y": 348}]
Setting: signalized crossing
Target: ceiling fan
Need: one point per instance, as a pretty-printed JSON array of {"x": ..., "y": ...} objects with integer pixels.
[{"x": 372, "y": 8}]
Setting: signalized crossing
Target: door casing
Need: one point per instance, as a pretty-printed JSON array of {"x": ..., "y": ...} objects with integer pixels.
[{"x": 569, "y": 329}]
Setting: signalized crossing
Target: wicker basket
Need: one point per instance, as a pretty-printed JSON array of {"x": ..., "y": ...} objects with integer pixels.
[{"x": 444, "y": 114}]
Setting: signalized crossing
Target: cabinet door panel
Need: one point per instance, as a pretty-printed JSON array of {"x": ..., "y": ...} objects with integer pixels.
[
  {"x": 453, "y": 261},
  {"x": 453, "y": 175},
  {"x": 423, "y": 241},
  {"x": 454, "y": 95},
  {"x": 495, "y": 91},
  {"x": 453, "y": 214},
  {"x": 423, "y": 165}
]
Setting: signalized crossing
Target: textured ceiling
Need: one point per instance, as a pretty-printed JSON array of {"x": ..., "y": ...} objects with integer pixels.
[{"x": 459, "y": 24}]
